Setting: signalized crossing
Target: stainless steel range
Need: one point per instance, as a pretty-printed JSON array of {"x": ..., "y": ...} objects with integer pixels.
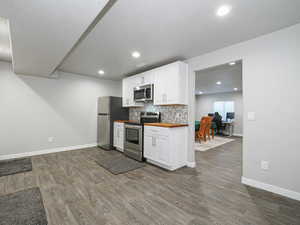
[{"x": 134, "y": 137}]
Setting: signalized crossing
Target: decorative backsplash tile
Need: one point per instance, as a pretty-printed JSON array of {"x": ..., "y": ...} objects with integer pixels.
[{"x": 169, "y": 114}]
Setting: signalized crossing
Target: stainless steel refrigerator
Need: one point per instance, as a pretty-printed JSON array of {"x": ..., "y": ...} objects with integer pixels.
[{"x": 109, "y": 109}]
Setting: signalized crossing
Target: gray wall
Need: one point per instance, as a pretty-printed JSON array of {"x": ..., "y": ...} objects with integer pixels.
[
  {"x": 271, "y": 84},
  {"x": 205, "y": 105},
  {"x": 33, "y": 109}
]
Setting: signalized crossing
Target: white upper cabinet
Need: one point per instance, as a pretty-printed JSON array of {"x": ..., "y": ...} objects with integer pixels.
[
  {"x": 146, "y": 77},
  {"x": 171, "y": 83},
  {"x": 126, "y": 92}
]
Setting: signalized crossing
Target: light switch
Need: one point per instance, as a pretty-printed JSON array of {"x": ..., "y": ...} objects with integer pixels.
[
  {"x": 264, "y": 165},
  {"x": 251, "y": 116}
]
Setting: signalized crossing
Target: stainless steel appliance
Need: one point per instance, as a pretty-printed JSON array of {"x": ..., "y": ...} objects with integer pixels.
[
  {"x": 134, "y": 136},
  {"x": 143, "y": 93},
  {"x": 109, "y": 110}
]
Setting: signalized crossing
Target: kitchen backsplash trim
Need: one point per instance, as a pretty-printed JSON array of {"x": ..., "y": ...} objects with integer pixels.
[{"x": 169, "y": 114}]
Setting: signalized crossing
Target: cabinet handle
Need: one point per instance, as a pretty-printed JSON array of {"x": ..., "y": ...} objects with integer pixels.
[
  {"x": 153, "y": 141},
  {"x": 154, "y": 131},
  {"x": 164, "y": 98}
]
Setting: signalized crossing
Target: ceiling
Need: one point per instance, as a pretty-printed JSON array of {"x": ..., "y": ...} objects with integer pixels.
[
  {"x": 5, "y": 50},
  {"x": 70, "y": 35},
  {"x": 43, "y": 32},
  {"x": 172, "y": 29},
  {"x": 230, "y": 77}
]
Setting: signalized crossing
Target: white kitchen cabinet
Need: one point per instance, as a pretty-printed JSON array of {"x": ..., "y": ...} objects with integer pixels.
[
  {"x": 166, "y": 147},
  {"x": 171, "y": 84},
  {"x": 145, "y": 78},
  {"x": 126, "y": 92},
  {"x": 151, "y": 152},
  {"x": 119, "y": 136}
]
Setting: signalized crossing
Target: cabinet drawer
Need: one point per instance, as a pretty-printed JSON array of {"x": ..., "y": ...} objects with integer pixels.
[{"x": 159, "y": 131}]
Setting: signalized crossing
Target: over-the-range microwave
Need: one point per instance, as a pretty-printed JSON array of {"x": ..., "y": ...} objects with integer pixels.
[{"x": 143, "y": 93}]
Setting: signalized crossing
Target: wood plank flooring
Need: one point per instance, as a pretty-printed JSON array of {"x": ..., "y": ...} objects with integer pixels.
[{"x": 76, "y": 191}]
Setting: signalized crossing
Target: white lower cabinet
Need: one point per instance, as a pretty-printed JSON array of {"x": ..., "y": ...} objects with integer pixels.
[
  {"x": 119, "y": 136},
  {"x": 166, "y": 147}
]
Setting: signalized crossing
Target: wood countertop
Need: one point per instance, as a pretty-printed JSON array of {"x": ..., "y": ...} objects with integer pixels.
[
  {"x": 167, "y": 125},
  {"x": 124, "y": 121}
]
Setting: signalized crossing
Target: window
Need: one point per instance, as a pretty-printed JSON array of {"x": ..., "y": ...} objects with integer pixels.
[{"x": 223, "y": 108}]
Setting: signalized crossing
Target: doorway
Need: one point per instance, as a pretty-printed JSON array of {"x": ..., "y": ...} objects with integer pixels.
[{"x": 218, "y": 113}]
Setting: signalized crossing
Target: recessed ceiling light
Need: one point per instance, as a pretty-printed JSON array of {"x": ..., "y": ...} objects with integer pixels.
[
  {"x": 235, "y": 89},
  {"x": 223, "y": 10},
  {"x": 219, "y": 83},
  {"x": 200, "y": 92},
  {"x": 232, "y": 63},
  {"x": 136, "y": 54},
  {"x": 101, "y": 72}
]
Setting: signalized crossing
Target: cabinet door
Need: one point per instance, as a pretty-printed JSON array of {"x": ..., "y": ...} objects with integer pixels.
[
  {"x": 126, "y": 92},
  {"x": 116, "y": 139},
  {"x": 148, "y": 77},
  {"x": 150, "y": 149},
  {"x": 171, "y": 84},
  {"x": 144, "y": 78},
  {"x": 164, "y": 150},
  {"x": 160, "y": 86},
  {"x": 121, "y": 136},
  {"x": 166, "y": 85}
]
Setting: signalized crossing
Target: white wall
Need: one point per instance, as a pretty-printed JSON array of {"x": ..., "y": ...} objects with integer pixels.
[
  {"x": 205, "y": 105},
  {"x": 33, "y": 109},
  {"x": 271, "y": 81}
]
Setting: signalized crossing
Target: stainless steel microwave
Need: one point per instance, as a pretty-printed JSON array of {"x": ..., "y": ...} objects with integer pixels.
[{"x": 143, "y": 93}]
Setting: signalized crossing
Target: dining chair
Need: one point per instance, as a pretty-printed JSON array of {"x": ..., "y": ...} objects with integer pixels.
[
  {"x": 209, "y": 130},
  {"x": 201, "y": 134}
]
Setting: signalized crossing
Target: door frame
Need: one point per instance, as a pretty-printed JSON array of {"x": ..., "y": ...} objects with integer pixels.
[{"x": 193, "y": 68}]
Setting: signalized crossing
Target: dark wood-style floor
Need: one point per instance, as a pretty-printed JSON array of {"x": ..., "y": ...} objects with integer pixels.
[{"x": 76, "y": 191}]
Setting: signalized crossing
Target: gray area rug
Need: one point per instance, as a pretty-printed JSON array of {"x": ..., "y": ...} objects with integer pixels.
[
  {"x": 118, "y": 164},
  {"x": 9, "y": 167},
  {"x": 23, "y": 208}
]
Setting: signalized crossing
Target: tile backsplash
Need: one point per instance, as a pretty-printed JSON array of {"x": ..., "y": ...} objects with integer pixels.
[{"x": 169, "y": 114}]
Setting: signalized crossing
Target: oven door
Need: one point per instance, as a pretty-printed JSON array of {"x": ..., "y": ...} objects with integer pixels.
[
  {"x": 133, "y": 146},
  {"x": 139, "y": 94}
]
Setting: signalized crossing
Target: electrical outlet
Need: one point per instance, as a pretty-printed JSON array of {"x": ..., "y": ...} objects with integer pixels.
[
  {"x": 50, "y": 139},
  {"x": 264, "y": 165}
]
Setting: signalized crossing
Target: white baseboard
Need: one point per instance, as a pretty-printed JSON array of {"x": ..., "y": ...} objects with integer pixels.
[
  {"x": 272, "y": 188},
  {"x": 191, "y": 164},
  {"x": 46, "y": 151},
  {"x": 238, "y": 135}
]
